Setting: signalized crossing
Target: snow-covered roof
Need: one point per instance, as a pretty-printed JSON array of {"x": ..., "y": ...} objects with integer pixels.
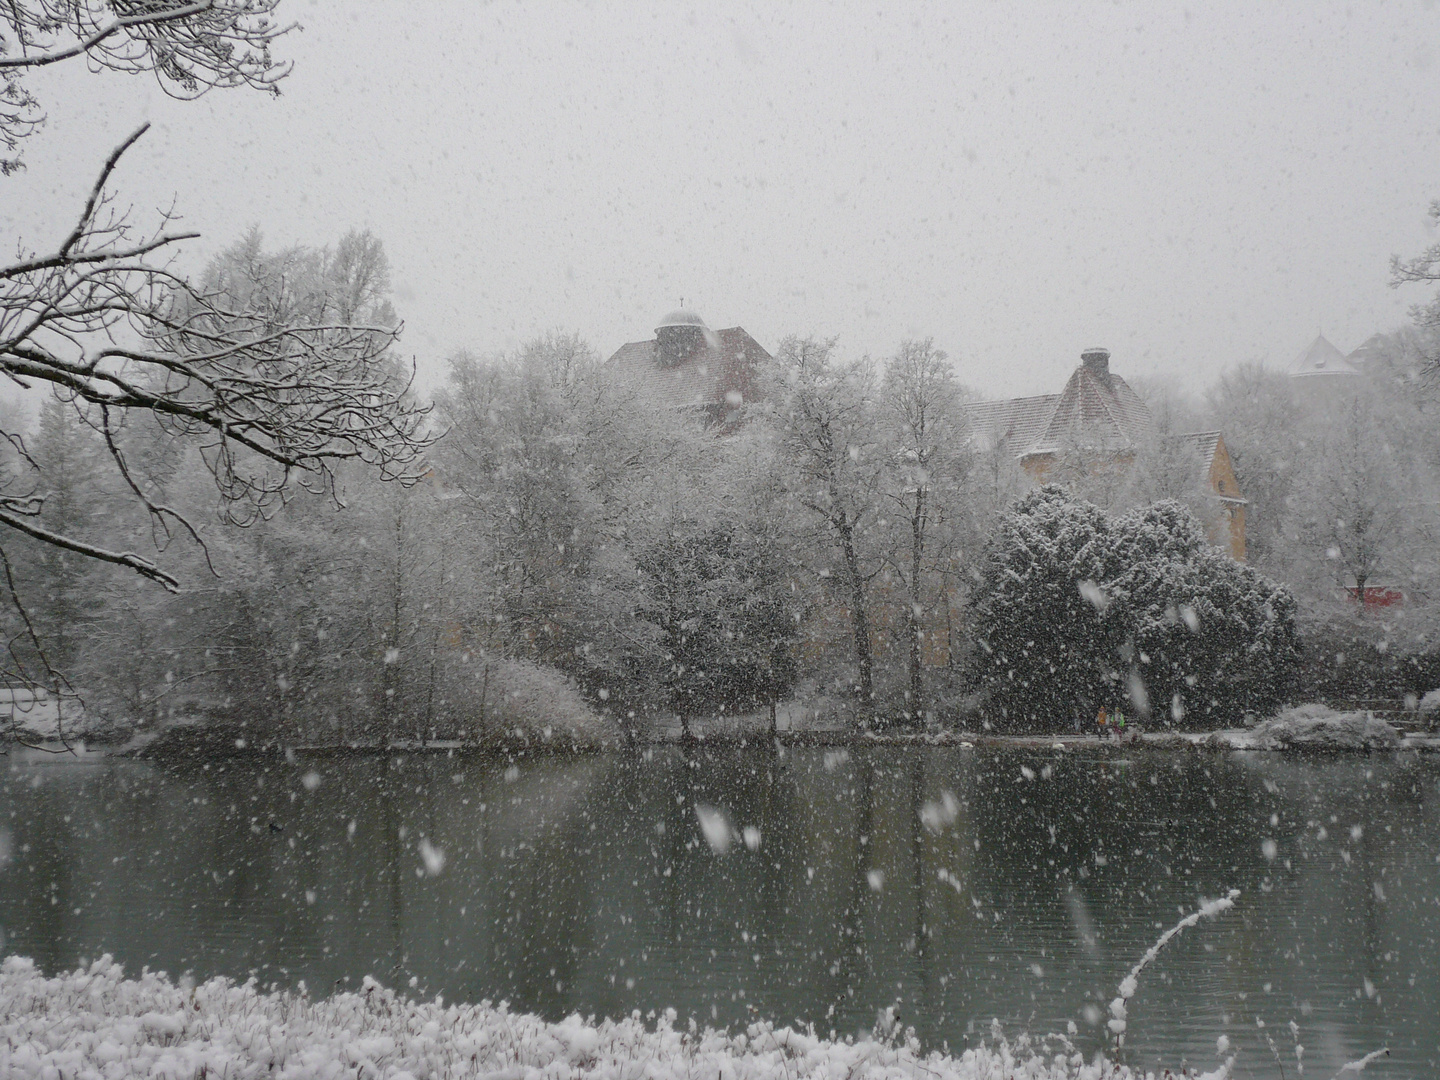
[
  {"x": 706, "y": 379},
  {"x": 1321, "y": 359},
  {"x": 1016, "y": 422},
  {"x": 1099, "y": 410},
  {"x": 1206, "y": 445},
  {"x": 681, "y": 317},
  {"x": 1096, "y": 409},
  {"x": 1374, "y": 347}
]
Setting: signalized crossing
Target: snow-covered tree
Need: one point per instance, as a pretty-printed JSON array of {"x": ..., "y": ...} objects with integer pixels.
[
  {"x": 824, "y": 415},
  {"x": 928, "y": 459},
  {"x": 1077, "y": 611},
  {"x": 552, "y": 464},
  {"x": 190, "y": 48},
  {"x": 718, "y": 598},
  {"x": 1257, "y": 410},
  {"x": 1424, "y": 269},
  {"x": 1047, "y": 656},
  {"x": 1206, "y": 639}
]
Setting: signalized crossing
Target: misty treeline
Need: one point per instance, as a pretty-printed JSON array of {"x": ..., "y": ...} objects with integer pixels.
[
  {"x": 571, "y": 561},
  {"x": 232, "y": 506},
  {"x": 1344, "y": 490}
]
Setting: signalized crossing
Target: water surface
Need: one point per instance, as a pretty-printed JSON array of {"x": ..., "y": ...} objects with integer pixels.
[{"x": 965, "y": 885}]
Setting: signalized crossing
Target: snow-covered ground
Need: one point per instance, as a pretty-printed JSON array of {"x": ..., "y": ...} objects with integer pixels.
[
  {"x": 95, "y": 1024},
  {"x": 1313, "y": 727},
  {"x": 1429, "y": 709}
]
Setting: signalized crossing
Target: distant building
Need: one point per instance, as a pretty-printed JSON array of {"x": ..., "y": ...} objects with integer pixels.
[
  {"x": 1323, "y": 368},
  {"x": 1100, "y": 421},
  {"x": 689, "y": 367}
]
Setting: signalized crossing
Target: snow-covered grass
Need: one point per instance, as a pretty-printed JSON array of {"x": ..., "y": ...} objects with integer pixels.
[
  {"x": 95, "y": 1024},
  {"x": 1119, "y": 1010}
]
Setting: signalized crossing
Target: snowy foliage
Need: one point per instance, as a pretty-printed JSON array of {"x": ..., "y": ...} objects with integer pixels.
[
  {"x": 501, "y": 700},
  {"x": 717, "y": 596},
  {"x": 1045, "y": 656},
  {"x": 1210, "y": 638},
  {"x": 93, "y": 1022},
  {"x": 1077, "y": 611}
]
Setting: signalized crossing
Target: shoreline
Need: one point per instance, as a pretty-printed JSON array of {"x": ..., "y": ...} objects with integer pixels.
[{"x": 1223, "y": 740}]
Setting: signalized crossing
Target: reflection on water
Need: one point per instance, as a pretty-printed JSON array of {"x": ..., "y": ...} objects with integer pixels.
[{"x": 964, "y": 884}]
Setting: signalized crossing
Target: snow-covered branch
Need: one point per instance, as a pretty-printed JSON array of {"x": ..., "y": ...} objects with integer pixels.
[{"x": 266, "y": 396}]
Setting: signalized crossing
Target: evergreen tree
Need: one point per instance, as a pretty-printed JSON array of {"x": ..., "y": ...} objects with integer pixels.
[
  {"x": 1207, "y": 639},
  {"x": 1076, "y": 612},
  {"x": 1046, "y": 655}
]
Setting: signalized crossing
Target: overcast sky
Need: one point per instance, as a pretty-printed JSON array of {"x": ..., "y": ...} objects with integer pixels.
[{"x": 1189, "y": 188}]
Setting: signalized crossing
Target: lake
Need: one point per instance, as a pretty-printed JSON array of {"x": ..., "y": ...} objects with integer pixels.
[{"x": 812, "y": 886}]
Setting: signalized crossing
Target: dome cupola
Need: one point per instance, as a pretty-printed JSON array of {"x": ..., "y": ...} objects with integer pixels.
[{"x": 679, "y": 336}]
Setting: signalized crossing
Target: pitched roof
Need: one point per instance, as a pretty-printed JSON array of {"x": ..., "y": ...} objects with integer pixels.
[
  {"x": 718, "y": 379},
  {"x": 1016, "y": 422},
  {"x": 1320, "y": 358},
  {"x": 1095, "y": 409},
  {"x": 1375, "y": 347},
  {"x": 1205, "y": 444}
]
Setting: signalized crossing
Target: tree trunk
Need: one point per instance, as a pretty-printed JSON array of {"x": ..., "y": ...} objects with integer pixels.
[
  {"x": 859, "y": 622},
  {"x": 392, "y": 666},
  {"x": 484, "y": 689},
  {"x": 434, "y": 655},
  {"x": 913, "y": 623}
]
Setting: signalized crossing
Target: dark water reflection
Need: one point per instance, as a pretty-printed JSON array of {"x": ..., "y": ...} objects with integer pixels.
[{"x": 587, "y": 885}]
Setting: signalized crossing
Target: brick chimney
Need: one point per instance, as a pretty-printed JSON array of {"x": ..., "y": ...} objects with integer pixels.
[{"x": 1098, "y": 361}]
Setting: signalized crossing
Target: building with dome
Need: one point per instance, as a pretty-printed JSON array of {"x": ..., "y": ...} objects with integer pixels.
[{"x": 689, "y": 367}]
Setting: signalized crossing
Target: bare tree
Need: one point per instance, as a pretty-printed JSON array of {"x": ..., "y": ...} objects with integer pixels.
[
  {"x": 191, "y": 46},
  {"x": 1350, "y": 502},
  {"x": 117, "y": 332},
  {"x": 1423, "y": 268},
  {"x": 826, "y": 424},
  {"x": 1262, "y": 420},
  {"x": 922, "y": 398},
  {"x": 274, "y": 390},
  {"x": 271, "y": 400}
]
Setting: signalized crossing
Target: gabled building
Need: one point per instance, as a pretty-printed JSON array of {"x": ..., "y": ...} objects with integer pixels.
[
  {"x": 689, "y": 367},
  {"x": 1100, "y": 423},
  {"x": 1323, "y": 369},
  {"x": 1097, "y": 411}
]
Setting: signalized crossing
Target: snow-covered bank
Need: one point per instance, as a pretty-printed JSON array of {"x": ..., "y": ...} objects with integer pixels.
[
  {"x": 1313, "y": 727},
  {"x": 95, "y": 1023}
]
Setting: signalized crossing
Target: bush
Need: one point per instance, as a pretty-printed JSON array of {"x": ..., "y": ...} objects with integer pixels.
[
  {"x": 1355, "y": 659},
  {"x": 489, "y": 699},
  {"x": 1212, "y": 639},
  {"x": 1076, "y": 611}
]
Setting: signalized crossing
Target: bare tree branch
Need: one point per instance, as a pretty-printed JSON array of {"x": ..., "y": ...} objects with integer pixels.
[
  {"x": 191, "y": 47},
  {"x": 268, "y": 400},
  {"x": 143, "y": 567},
  {"x": 96, "y": 37}
]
